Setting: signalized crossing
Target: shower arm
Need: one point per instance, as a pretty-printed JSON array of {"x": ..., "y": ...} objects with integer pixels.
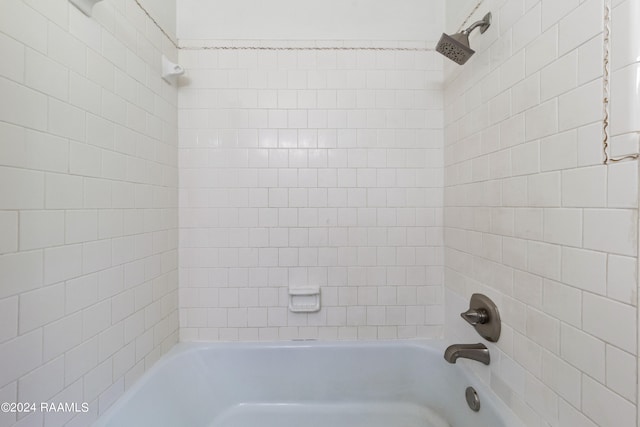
[{"x": 484, "y": 24}]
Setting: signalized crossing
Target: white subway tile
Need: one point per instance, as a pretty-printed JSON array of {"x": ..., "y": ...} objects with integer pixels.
[
  {"x": 542, "y": 120},
  {"x": 85, "y": 159},
  {"x": 579, "y": 107},
  {"x": 114, "y": 108},
  {"x": 544, "y": 49},
  {"x": 612, "y": 313},
  {"x": 23, "y": 106},
  {"x": 96, "y": 256},
  {"x": 81, "y": 226},
  {"x": 585, "y": 187},
  {"x": 621, "y": 373},
  {"x": 563, "y": 226},
  {"x": 66, "y": 49},
  {"x": 512, "y": 374},
  {"x": 39, "y": 229},
  {"x": 524, "y": 95},
  {"x": 98, "y": 380},
  {"x": 544, "y": 259},
  {"x": 583, "y": 351},
  {"x": 622, "y": 181},
  {"x": 62, "y": 263},
  {"x": 40, "y": 307},
  {"x": 46, "y": 152},
  {"x": 621, "y": 279},
  {"x": 8, "y": 232},
  {"x": 623, "y": 44},
  {"x": 513, "y": 69},
  {"x": 514, "y": 253},
  {"x": 110, "y": 223},
  {"x": 562, "y": 302},
  {"x": 528, "y": 354},
  {"x": 590, "y": 59},
  {"x": 544, "y": 189},
  {"x": 553, "y": 11},
  {"x": 81, "y": 293},
  {"x": 45, "y": 75},
  {"x": 98, "y": 194},
  {"x": 9, "y": 318},
  {"x": 21, "y": 272},
  {"x": 80, "y": 360},
  {"x": 589, "y": 145},
  {"x": 611, "y": 230},
  {"x": 63, "y": 191},
  {"x": 528, "y": 223},
  {"x": 559, "y": 151},
  {"x": 13, "y": 69},
  {"x": 62, "y": 335},
  {"x": 13, "y": 146},
  {"x": 541, "y": 398},
  {"x": 561, "y": 377},
  {"x": 543, "y": 329},
  {"x": 23, "y": 23},
  {"x": 21, "y": 189},
  {"x": 559, "y": 77},
  {"x": 571, "y": 417},
  {"x": 42, "y": 383},
  {"x": 585, "y": 269},
  {"x": 604, "y": 406},
  {"x": 579, "y": 25},
  {"x": 20, "y": 355},
  {"x": 9, "y": 393},
  {"x": 525, "y": 158},
  {"x": 66, "y": 120}
]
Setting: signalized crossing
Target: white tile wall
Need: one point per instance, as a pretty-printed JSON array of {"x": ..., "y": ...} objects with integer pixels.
[
  {"x": 523, "y": 171},
  {"x": 88, "y": 190},
  {"x": 310, "y": 168},
  {"x": 324, "y": 168}
]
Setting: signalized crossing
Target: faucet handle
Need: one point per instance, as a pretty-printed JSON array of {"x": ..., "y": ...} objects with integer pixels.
[
  {"x": 483, "y": 315},
  {"x": 474, "y": 316}
]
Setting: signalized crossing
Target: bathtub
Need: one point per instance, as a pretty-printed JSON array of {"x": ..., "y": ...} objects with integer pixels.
[{"x": 307, "y": 383}]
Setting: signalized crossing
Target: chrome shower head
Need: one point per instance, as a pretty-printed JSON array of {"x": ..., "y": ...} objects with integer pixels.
[{"x": 456, "y": 47}]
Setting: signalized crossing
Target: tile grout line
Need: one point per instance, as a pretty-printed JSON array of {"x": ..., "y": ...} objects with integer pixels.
[
  {"x": 606, "y": 90},
  {"x": 470, "y": 15}
]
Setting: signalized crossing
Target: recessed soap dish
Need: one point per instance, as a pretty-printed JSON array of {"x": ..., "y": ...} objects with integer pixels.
[{"x": 304, "y": 299}]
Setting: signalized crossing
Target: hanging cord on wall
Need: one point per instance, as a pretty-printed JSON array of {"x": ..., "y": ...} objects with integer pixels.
[
  {"x": 606, "y": 85},
  {"x": 462, "y": 26},
  {"x": 173, "y": 42}
]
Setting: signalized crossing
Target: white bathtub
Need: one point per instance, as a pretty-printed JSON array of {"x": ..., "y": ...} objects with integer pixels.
[{"x": 390, "y": 384}]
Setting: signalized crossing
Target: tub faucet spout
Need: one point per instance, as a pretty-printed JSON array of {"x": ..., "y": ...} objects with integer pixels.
[{"x": 477, "y": 352}]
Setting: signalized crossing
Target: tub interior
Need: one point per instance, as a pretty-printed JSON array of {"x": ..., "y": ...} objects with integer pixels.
[{"x": 355, "y": 414}]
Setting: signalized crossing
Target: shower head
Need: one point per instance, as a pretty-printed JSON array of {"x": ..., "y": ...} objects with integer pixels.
[{"x": 456, "y": 47}]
